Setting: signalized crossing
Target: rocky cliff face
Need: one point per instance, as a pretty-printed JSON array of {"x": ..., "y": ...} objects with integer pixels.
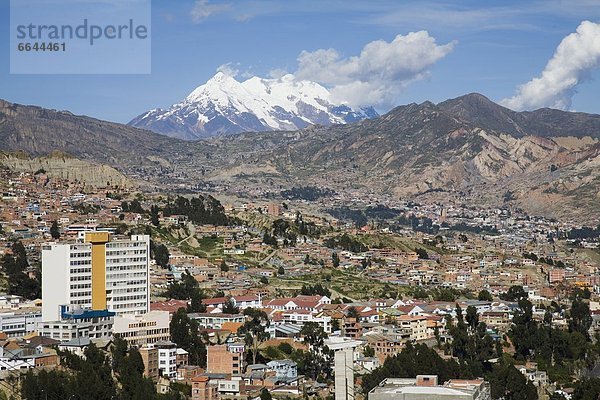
[{"x": 66, "y": 167}]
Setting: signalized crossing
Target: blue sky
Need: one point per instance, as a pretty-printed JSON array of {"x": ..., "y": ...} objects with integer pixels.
[{"x": 494, "y": 46}]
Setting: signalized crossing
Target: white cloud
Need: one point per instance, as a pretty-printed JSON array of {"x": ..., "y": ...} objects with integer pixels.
[
  {"x": 228, "y": 69},
  {"x": 203, "y": 9},
  {"x": 277, "y": 73},
  {"x": 379, "y": 73},
  {"x": 575, "y": 57}
]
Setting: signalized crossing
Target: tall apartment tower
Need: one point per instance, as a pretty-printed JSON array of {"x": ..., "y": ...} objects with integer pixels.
[{"x": 96, "y": 273}]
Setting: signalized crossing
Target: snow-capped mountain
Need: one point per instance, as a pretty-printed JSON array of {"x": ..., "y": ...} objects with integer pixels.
[{"x": 225, "y": 106}]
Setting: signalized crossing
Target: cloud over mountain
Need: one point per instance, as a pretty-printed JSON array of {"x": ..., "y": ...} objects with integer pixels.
[
  {"x": 379, "y": 73},
  {"x": 577, "y": 55}
]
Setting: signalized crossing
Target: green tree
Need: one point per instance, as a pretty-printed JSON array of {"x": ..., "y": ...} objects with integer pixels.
[
  {"x": 422, "y": 253},
  {"x": 254, "y": 330},
  {"x": 335, "y": 325},
  {"x": 201, "y": 210},
  {"x": 9, "y": 264},
  {"x": 224, "y": 267},
  {"x": 369, "y": 351},
  {"x": 285, "y": 347},
  {"x": 119, "y": 352},
  {"x": 54, "y": 230},
  {"x": 265, "y": 394},
  {"x": 335, "y": 259},
  {"x": 154, "y": 219},
  {"x": 230, "y": 308},
  {"x": 508, "y": 383},
  {"x": 580, "y": 318},
  {"x": 52, "y": 384},
  {"x": 524, "y": 330},
  {"x": 160, "y": 253},
  {"x": 269, "y": 240},
  {"x": 313, "y": 334},
  {"x": 317, "y": 289},
  {"x": 514, "y": 293},
  {"x": 185, "y": 333},
  {"x": 352, "y": 312},
  {"x": 280, "y": 271},
  {"x": 413, "y": 360},
  {"x": 93, "y": 377},
  {"x": 587, "y": 389},
  {"x": 484, "y": 295},
  {"x": 196, "y": 305},
  {"x": 472, "y": 317},
  {"x": 20, "y": 256},
  {"x": 19, "y": 282},
  {"x": 185, "y": 289}
]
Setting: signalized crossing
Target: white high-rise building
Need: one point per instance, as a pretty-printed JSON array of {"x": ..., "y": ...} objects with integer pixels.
[{"x": 96, "y": 273}]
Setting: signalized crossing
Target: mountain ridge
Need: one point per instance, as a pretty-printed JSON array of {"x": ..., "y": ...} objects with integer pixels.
[{"x": 466, "y": 150}]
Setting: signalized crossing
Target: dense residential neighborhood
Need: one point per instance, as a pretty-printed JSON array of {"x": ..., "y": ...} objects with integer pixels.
[{"x": 278, "y": 299}]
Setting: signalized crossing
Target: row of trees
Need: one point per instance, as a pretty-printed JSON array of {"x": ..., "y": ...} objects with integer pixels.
[
  {"x": 97, "y": 376},
  {"x": 199, "y": 210},
  {"x": 472, "y": 346},
  {"x": 310, "y": 193},
  {"x": 345, "y": 242},
  {"x": 316, "y": 289},
  {"x": 559, "y": 352},
  {"x": 16, "y": 268},
  {"x": 133, "y": 206},
  {"x": 289, "y": 232}
]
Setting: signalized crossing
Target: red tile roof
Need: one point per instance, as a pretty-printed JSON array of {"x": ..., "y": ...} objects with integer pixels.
[{"x": 171, "y": 305}]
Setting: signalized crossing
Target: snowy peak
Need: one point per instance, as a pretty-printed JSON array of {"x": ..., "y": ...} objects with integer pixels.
[
  {"x": 224, "y": 105},
  {"x": 217, "y": 86}
]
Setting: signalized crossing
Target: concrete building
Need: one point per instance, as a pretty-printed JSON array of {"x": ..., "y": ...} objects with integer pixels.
[
  {"x": 167, "y": 359},
  {"x": 284, "y": 369},
  {"x": 351, "y": 328},
  {"x": 225, "y": 359},
  {"x": 242, "y": 302},
  {"x": 416, "y": 326},
  {"x": 500, "y": 320},
  {"x": 14, "y": 361},
  {"x": 88, "y": 324},
  {"x": 216, "y": 320},
  {"x": 427, "y": 387},
  {"x": 141, "y": 330},
  {"x": 230, "y": 387},
  {"x": 204, "y": 389},
  {"x": 150, "y": 359},
  {"x": 274, "y": 209},
  {"x": 556, "y": 275},
  {"x": 96, "y": 273},
  {"x": 300, "y": 317},
  {"x": 18, "y": 323},
  {"x": 343, "y": 366}
]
